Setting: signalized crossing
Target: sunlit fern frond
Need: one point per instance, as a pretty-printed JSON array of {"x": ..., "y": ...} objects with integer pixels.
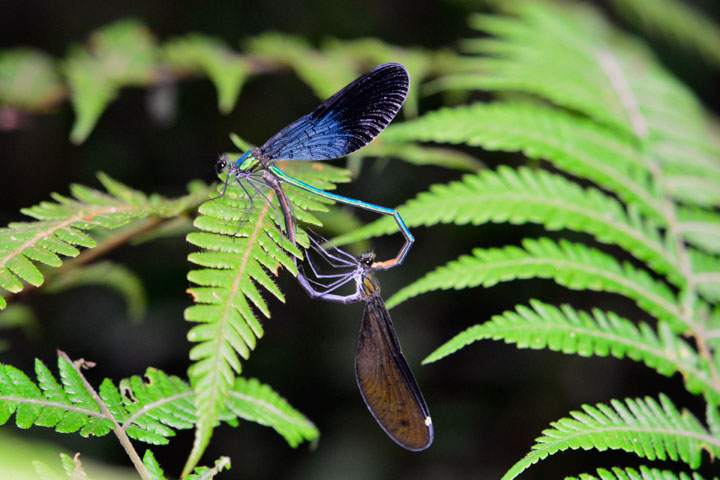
[
  {"x": 677, "y": 21},
  {"x": 236, "y": 265},
  {"x": 571, "y": 143},
  {"x": 523, "y": 195},
  {"x": 576, "y": 60},
  {"x": 642, "y": 473},
  {"x": 706, "y": 274},
  {"x": 572, "y": 265},
  {"x": 601, "y": 333},
  {"x": 66, "y": 223},
  {"x": 149, "y": 408},
  {"x": 700, "y": 227},
  {"x": 641, "y": 426}
]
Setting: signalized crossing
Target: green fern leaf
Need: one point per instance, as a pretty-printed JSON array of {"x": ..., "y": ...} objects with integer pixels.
[
  {"x": 572, "y": 144},
  {"x": 643, "y": 473},
  {"x": 573, "y": 332},
  {"x": 700, "y": 227},
  {"x": 68, "y": 408},
  {"x": 152, "y": 466},
  {"x": 713, "y": 419},
  {"x": 206, "y": 473},
  {"x": 640, "y": 426},
  {"x": 706, "y": 274},
  {"x": 571, "y": 57},
  {"x": 524, "y": 195},
  {"x": 121, "y": 54},
  {"x": 148, "y": 408},
  {"x": 677, "y": 21},
  {"x": 64, "y": 225},
  {"x": 258, "y": 403},
  {"x": 325, "y": 74},
  {"x": 236, "y": 260},
  {"x": 572, "y": 265},
  {"x": 422, "y": 155},
  {"x": 225, "y": 68},
  {"x": 28, "y": 80}
]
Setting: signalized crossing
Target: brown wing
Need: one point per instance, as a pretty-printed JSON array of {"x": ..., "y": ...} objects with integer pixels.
[{"x": 386, "y": 383}]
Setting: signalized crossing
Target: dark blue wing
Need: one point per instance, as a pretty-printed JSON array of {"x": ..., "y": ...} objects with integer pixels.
[{"x": 345, "y": 122}]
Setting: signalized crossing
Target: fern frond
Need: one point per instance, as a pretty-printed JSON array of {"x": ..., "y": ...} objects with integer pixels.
[
  {"x": 224, "y": 67},
  {"x": 572, "y": 265},
  {"x": 678, "y": 21},
  {"x": 643, "y": 473},
  {"x": 325, "y": 74},
  {"x": 706, "y": 274},
  {"x": 573, "y": 58},
  {"x": 148, "y": 409},
  {"x": 64, "y": 225},
  {"x": 207, "y": 473},
  {"x": 152, "y": 466},
  {"x": 255, "y": 402},
  {"x": 641, "y": 426},
  {"x": 700, "y": 227},
  {"x": 525, "y": 195},
  {"x": 713, "y": 419},
  {"x": 235, "y": 261},
  {"x": 422, "y": 155},
  {"x": 571, "y": 331},
  {"x": 28, "y": 79},
  {"x": 121, "y": 54},
  {"x": 572, "y": 144}
]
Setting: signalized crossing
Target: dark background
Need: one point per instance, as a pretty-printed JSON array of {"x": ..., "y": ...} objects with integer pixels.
[{"x": 488, "y": 401}]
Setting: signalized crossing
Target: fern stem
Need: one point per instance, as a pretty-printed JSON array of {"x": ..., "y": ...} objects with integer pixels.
[
  {"x": 688, "y": 310},
  {"x": 88, "y": 256},
  {"x": 153, "y": 405},
  {"x": 113, "y": 242},
  {"x": 611, "y": 68},
  {"x": 119, "y": 431},
  {"x": 713, "y": 277},
  {"x": 686, "y": 369},
  {"x": 268, "y": 407},
  {"x": 63, "y": 225},
  {"x": 59, "y": 406},
  {"x": 207, "y": 410}
]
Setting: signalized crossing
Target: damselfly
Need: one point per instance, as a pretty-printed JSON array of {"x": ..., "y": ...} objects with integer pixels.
[
  {"x": 384, "y": 378},
  {"x": 342, "y": 124}
]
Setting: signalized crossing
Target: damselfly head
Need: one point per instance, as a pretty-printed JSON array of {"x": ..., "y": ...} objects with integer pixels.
[
  {"x": 367, "y": 258},
  {"x": 223, "y": 164}
]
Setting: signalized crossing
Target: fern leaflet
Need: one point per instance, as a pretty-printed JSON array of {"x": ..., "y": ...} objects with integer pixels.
[
  {"x": 64, "y": 225},
  {"x": 677, "y": 21},
  {"x": 572, "y": 265},
  {"x": 235, "y": 260},
  {"x": 643, "y": 473},
  {"x": 570, "y": 331},
  {"x": 700, "y": 227},
  {"x": 642, "y": 426},
  {"x": 148, "y": 409},
  {"x": 525, "y": 195},
  {"x": 574, "y": 59},
  {"x": 575, "y": 145}
]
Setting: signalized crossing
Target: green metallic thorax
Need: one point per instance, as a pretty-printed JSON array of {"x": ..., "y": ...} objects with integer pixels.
[{"x": 248, "y": 162}]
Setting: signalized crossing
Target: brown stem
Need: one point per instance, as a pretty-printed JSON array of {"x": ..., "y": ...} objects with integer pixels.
[{"x": 119, "y": 432}]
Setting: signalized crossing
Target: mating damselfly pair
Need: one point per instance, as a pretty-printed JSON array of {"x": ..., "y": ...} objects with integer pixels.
[{"x": 345, "y": 123}]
